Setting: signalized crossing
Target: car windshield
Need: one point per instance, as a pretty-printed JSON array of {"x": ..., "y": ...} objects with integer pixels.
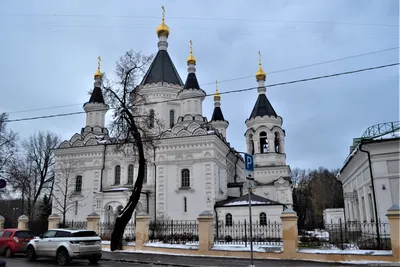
[
  {"x": 24, "y": 234},
  {"x": 84, "y": 234}
]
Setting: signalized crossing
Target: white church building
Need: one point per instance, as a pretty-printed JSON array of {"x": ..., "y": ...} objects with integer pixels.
[{"x": 193, "y": 167}]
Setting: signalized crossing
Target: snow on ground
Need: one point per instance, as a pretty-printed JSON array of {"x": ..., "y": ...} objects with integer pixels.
[
  {"x": 338, "y": 251},
  {"x": 238, "y": 247},
  {"x": 107, "y": 242},
  {"x": 319, "y": 233},
  {"x": 166, "y": 245}
]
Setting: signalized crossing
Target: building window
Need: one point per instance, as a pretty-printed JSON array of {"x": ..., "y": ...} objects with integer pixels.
[
  {"x": 76, "y": 207},
  {"x": 371, "y": 208},
  {"x": 130, "y": 174},
  {"x": 185, "y": 178},
  {"x": 276, "y": 142},
  {"x": 184, "y": 204},
  {"x": 151, "y": 118},
  {"x": 117, "y": 175},
  {"x": 228, "y": 219},
  {"x": 263, "y": 218},
  {"x": 364, "y": 211},
  {"x": 78, "y": 184},
  {"x": 263, "y": 142},
  {"x": 145, "y": 174},
  {"x": 251, "y": 144},
  {"x": 171, "y": 118}
]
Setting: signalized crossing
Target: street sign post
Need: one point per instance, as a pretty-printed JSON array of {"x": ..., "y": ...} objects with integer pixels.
[{"x": 249, "y": 166}]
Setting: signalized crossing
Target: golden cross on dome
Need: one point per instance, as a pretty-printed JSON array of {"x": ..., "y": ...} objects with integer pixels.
[
  {"x": 163, "y": 11},
  {"x": 216, "y": 85},
  {"x": 191, "y": 47},
  {"x": 259, "y": 57},
  {"x": 98, "y": 62}
]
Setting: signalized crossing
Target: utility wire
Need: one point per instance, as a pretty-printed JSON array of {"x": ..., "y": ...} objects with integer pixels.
[
  {"x": 226, "y": 92},
  {"x": 240, "y": 78},
  {"x": 198, "y": 18}
]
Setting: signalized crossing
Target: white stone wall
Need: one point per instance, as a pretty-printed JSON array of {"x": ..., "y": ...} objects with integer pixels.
[
  {"x": 241, "y": 213},
  {"x": 333, "y": 215},
  {"x": 356, "y": 179}
]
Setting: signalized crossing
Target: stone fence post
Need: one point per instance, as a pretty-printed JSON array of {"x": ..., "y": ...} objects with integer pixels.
[
  {"x": 394, "y": 224},
  {"x": 206, "y": 231},
  {"x": 23, "y": 222},
  {"x": 54, "y": 219},
  {"x": 290, "y": 233},
  {"x": 93, "y": 222},
  {"x": 142, "y": 229},
  {"x": 2, "y": 220}
]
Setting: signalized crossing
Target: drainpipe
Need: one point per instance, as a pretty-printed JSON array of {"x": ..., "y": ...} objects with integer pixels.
[
  {"x": 102, "y": 169},
  {"x": 373, "y": 191},
  {"x": 155, "y": 184}
]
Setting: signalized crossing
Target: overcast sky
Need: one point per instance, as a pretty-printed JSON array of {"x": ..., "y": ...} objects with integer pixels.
[{"x": 48, "y": 52}]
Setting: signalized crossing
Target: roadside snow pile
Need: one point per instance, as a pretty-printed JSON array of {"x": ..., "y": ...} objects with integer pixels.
[{"x": 353, "y": 252}]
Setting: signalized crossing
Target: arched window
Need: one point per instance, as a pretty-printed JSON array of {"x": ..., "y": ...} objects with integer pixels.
[
  {"x": 130, "y": 174},
  {"x": 117, "y": 180},
  {"x": 119, "y": 210},
  {"x": 228, "y": 219},
  {"x": 185, "y": 178},
  {"x": 251, "y": 144},
  {"x": 276, "y": 142},
  {"x": 263, "y": 218},
  {"x": 171, "y": 118},
  {"x": 263, "y": 142},
  {"x": 145, "y": 174},
  {"x": 151, "y": 118},
  {"x": 184, "y": 204},
  {"x": 78, "y": 184}
]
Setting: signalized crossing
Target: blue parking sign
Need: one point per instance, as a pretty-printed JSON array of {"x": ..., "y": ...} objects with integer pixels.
[{"x": 248, "y": 161}]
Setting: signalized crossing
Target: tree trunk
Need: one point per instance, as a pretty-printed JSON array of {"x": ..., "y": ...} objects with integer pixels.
[{"x": 126, "y": 214}]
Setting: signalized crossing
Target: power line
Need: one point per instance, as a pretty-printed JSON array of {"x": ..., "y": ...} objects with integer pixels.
[
  {"x": 199, "y": 18},
  {"x": 226, "y": 92},
  {"x": 240, "y": 78}
]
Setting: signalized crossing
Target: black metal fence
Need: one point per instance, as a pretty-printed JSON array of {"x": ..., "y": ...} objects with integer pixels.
[
  {"x": 73, "y": 225},
  {"x": 348, "y": 235},
  {"x": 106, "y": 229},
  {"x": 269, "y": 233},
  {"x": 174, "y": 232}
]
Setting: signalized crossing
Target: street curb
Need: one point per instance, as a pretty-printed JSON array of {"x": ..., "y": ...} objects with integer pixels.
[{"x": 156, "y": 263}]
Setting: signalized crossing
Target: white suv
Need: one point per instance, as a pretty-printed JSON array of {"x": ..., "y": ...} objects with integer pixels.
[{"x": 65, "y": 245}]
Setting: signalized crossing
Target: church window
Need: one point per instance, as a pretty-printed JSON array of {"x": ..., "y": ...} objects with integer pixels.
[
  {"x": 78, "y": 184},
  {"x": 228, "y": 219},
  {"x": 276, "y": 142},
  {"x": 145, "y": 174},
  {"x": 151, "y": 118},
  {"x": 117, "y": 180},
  {"x": 263, "y": 218},
  {"x": 185, "y": 178},
  {"x": 171, "y": 118},
  {"x": 76, "y": 207},
  {"x": 130, "y": 174},
  {"x": 184, "y": 204},
  {"x": 251, "y": 144},
  {"x": 263, "y": 142}
]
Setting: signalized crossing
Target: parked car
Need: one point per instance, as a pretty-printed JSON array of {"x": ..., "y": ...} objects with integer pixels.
[
  {"x": 14, "y": 241},
  {"x": 65, "y": 245}
]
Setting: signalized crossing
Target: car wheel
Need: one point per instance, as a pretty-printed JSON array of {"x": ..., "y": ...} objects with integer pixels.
[
  {"x": 62, "y": 257},
  {"x": 8, "y": 253},
  {"x": 94, "y": 260},
  {"x": 30, "y": 253}
]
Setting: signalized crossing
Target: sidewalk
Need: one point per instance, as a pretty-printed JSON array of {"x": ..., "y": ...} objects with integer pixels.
[{"x": 191, "y": 261}]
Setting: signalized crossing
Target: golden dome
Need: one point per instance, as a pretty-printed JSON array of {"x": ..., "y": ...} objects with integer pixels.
[
  {"x": 260, "y": 74},
  {"x": 217, "y": 96},
  {"x": 98, "y": 74},
  {"x": 191, "y": 59},
  {"x": 163, "y": 29}
]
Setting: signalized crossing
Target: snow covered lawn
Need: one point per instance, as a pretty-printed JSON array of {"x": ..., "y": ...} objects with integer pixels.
[
  {"x": 166, "y": 245},
  {"x": 238, "y": 247},
  {"x": 354, "y": 252}
]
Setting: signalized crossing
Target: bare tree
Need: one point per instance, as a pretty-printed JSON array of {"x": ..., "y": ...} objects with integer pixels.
[
  {"x": 40, "y": 159},
  {"x": 133, "y": 129},
  {"x": 68, "y": 192},
  {"x": 8, "y": 144}
]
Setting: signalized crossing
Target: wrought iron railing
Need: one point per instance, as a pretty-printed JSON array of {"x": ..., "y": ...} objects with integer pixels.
[
  {"x": 381, "y": 129},
  {"x": 174, "y": 232},
  {"x": 106, "y": 229},
  {"x": 266, "y": 233},
  {"x": 73, "y": 225},
  {"x": 348, "y": 235}
]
